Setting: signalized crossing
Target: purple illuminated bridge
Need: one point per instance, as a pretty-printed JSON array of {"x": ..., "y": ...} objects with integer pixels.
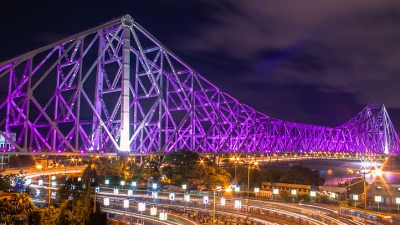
[{"x": 116, "y": 88}]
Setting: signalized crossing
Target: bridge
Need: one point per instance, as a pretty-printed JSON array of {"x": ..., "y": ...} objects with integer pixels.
[{"x": 116, "y": 88}]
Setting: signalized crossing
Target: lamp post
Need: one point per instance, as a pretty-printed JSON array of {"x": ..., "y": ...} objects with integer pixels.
[
  {"x": 249, "y": 165},
  {"x": 294, "y": 193},
  {"x": 184, "y": 193},
  {"x": 133, "y": 184},
  {"x": 275, "y": 192},
  {"x": 141, "y": 208},
  {"x": 238, "y": 204},
  {"x": 126, "y": 206},
  {"x": 213, "y": 217},
  {"x": 186, "y": 198},
  {"x": 378, "y": 199},
  {"x": 153, "y": 212},
  {"x": 106, "y": 201},
  {"x": 49, "y": 187},
  {"x": 171, "y": 197},
  {"x": 355, "y": 198},
  {"x": 235, "y": 161},
  {"x": 163, "y": 216},
  {"x": 205, "y": 201},
  {"x": 122, "y": 184},
  {"x": 107, "y": 182},
  {"x": 333, "y": 196},
  {"x": 116, "y": 191},
  {"x": 365, "y": 199},
  {"x": 256, "y": 191},
  {"x": 313, "y": 193},
  {"x": 222, "y": 203},
  {"x": 398, "y": 204}
]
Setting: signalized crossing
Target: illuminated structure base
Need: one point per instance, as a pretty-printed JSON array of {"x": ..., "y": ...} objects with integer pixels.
[{"x": 116, "y": 88}]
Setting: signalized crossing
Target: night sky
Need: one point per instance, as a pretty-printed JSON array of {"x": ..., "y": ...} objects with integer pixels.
[{"x": 317, "y": 62}]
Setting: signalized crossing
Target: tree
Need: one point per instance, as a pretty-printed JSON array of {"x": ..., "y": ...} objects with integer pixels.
[
  {"x": 78, "y": 210},
  {"x": 18, "y": 209},
  {"x": 119, "y": 168},
  {"x": 12, "y": 180},
  {"x": 185, "y": 167},
  {"x": 302, "y": 175}
]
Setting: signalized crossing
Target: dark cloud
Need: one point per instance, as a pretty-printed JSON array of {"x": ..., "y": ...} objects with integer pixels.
[{"x": 340, "y": 48}]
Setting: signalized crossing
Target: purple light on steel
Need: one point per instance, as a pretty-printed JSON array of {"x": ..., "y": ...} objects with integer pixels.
[{"x": 115, "y": 87}]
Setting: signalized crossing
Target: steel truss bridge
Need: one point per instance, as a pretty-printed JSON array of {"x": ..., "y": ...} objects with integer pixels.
[{"x": 116, "y": 88}]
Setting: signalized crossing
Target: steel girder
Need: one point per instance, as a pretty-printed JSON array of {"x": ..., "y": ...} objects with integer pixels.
[{"x": 115, "y": 87}]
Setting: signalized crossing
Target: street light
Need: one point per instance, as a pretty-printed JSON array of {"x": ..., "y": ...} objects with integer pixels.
[
  {"x": 126, "y": 205},
  {"x": 213, "y": 218},
  {"x": 275, "y": 191},
  {"x": 107, "y": 182},
  {"x": 235, "y": 161},
  {"x": 122, "y": 184},
  {"x": 313, "y": 193},
  {"x": 153, "y": 212},
  {"x": 186, "y": 198},
  {"x": 294, "y": 193},
  {"x": 355, "y": 198},
  {"x": 378, "y": 199},
  {"x": 205, "y": 201},
  {"x": 398, "y": 204},
  {"x": 250, "y": 164},
  {"x": 163, "y": 216},
  {"x": 141, "y": 208},
  {"x": 256, "y": 191},
  {"x": 333, "y": 196},
  {"x": 171, "y": 197},
  {"x": 238, "y": 204},
  {"x": 222, "y": 203}
]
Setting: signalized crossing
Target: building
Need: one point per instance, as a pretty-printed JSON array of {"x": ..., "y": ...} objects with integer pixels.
[
  {"x": 384, "y": 193},
  {"x": 274, "y": 190},
  {"x": 5, "y": 146},
  {"x": 334, "y": 192}
]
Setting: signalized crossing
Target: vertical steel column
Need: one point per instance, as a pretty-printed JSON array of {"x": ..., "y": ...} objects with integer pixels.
[
  {"x": 29, "y": 94},
  {"x": 56, "y": 95},
  {"x": 9, "y": 106},
  {"x": 124, "y": 144},
  {"x": 78, "y": 103},
  {"x": 193, "y": 114},
  {"x": 160, "y": 102},
  {"x": 98, "y": 93},
  {"x": 136, "y": 103}
]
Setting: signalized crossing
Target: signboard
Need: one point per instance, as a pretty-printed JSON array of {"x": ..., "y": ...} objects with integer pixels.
[
  {"x": 205, "y": 199},
  {"x": 238, "y": 204},
  {"x": 186, "y": 198},
  {"x": 172, "y": 196},
  {"x": 126, "y": 203},
  {"x": 106, "y": 201}
]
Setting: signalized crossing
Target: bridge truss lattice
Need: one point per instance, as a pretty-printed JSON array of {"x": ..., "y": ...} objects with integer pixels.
[{"x": 115, "y": 87}]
